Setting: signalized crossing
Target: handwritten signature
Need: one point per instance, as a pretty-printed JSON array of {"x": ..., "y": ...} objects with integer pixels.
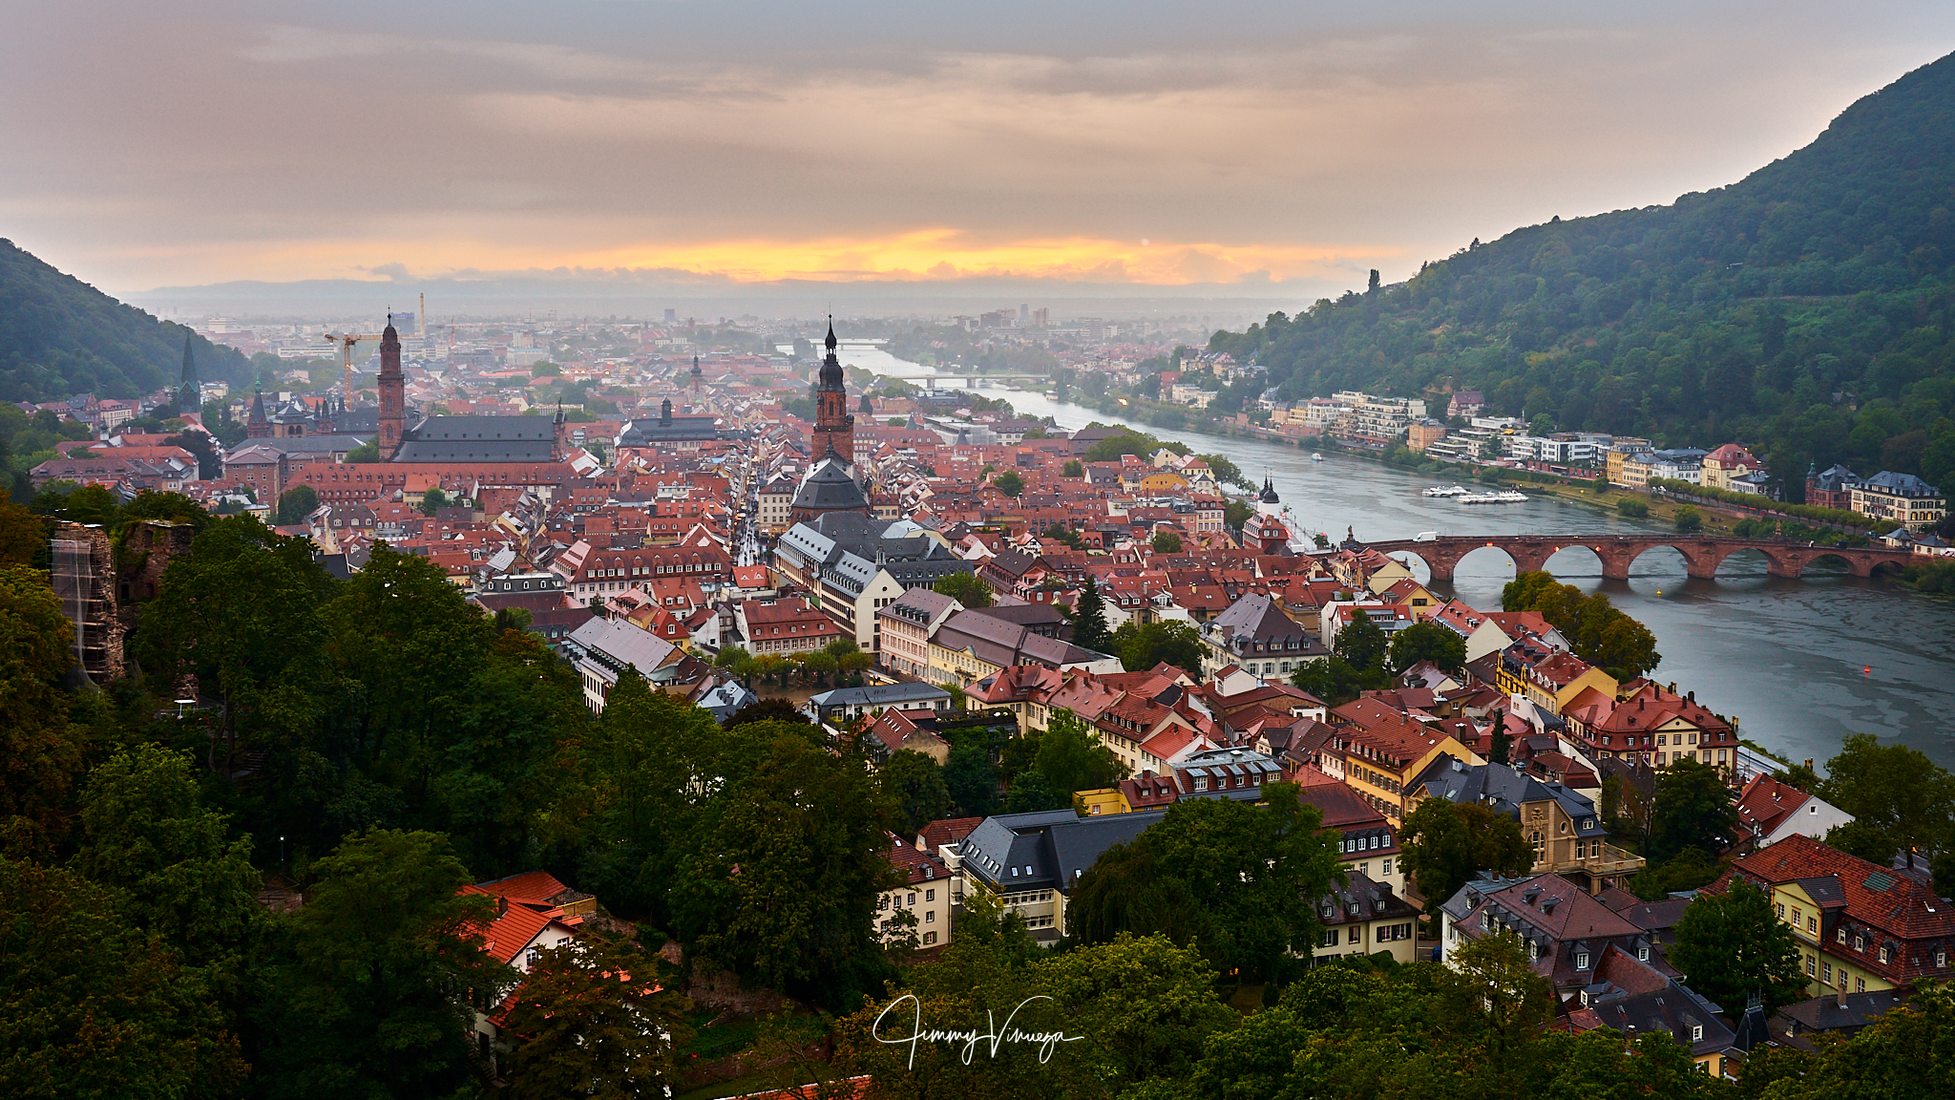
[{"x": 993, "y": 1035}]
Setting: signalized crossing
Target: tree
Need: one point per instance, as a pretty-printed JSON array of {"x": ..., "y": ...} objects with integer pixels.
[
  {"x": 971, "y": 778},
  {"x": 1497, "y": 1000},
  {"x": 432, "y": 501},
  {"x": 1142, "y": 1004},
  {"x": 1894, "y": 789},
  {"x": 1428, "y": 641},
  {"x": 968, "y": 589},
  {"x": 1598, "y": 631},
  {"x": 92, "y": 1006},
  {"x": 1336, "y": 681},
  {"x": 294, "y": 505},
  {"x": 40, "y": 749},
  {"x": 1089, "y": 618},
  {"x": 779, "y": 883},
  {"x": 1692, "y": 809},
  {"x": 1009, "y": 483},
  {"x": 1072, "y": 468},
  {"x": 914, "y": 784},
  {"x": 1362, "y": 643},
  {"x": 381, "y": 965},
  {"x": 146, "y": 832},
  {"x": 1447, "y": 843},
  {"x": 592, "y": 1020},
  {"x": 1224, "y": 876},
  {"x": 1071, "y": 756},
  {"x": 1141, "y": 646},
  {"x": 23, "y": 535},
  {"x": 639, "y": 790},
  {"x": 1166, "y": 542},
  {"x": 1688, "y": 520},
  {"x": 1731, "y": 946},
  {"x": 1371, "y": 284}
]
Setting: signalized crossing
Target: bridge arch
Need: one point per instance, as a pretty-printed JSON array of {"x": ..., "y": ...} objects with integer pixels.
[
  {"x": 1578, "y": 551},
  {"x": 1513, "y": 556},
  {"x": 1699, "y": 562},
  {"x": 1776, "y": 564}
]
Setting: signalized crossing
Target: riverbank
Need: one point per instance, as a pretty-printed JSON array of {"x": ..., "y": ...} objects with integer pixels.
[{"x": 1659, "y": 509}]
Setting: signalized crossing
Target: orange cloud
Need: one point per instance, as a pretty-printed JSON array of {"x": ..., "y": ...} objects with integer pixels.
[{"x": 941, "y": 253}]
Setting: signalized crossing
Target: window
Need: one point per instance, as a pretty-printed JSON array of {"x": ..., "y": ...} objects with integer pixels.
[
  {"x": 1642, "y": 953},
  {"x": 1581, "y": 960},
  {"x": 1812, "y": 923},
  {"x": 1841, "y": 934},
  {"x": 1697, "y": 1033},
  {"x": 1328, "y": 939},
  {"x": 929, "y": 938},
  {"x": 1884, "y": 953},
  {"x": 1781, "y": 910},
  {"x": 929, "y": 895},
  {"x": 1810, "y": 968},
  {"x": 1859, "y": 985},
  {"x": 1356, "y": 935},
  {"x": 1826, "y": 972},
  {"x": 1387, "y": 869},
  {"x": 930, "y": 916}
]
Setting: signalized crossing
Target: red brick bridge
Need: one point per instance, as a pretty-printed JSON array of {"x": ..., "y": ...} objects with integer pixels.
[{"x": 1702, "y": 554}]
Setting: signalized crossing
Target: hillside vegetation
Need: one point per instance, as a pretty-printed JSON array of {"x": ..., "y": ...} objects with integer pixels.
[
  {"x": 59, "y": 337},
  {"x": 1808, "y": 310}
]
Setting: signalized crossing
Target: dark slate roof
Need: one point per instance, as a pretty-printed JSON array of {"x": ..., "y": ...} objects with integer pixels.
[
  {"x": 829, "y": 488},
  {"x": 1049, "y": 849},
  {"x": 678, "y": 429},
  {"x": 480, "y": 439}
]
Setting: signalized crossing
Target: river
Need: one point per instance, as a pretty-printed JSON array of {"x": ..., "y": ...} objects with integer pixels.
[{"x": 1799, "y": 664}]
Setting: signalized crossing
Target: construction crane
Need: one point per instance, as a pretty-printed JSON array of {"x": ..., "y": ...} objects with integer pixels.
[{"x": 346, "y": 342}]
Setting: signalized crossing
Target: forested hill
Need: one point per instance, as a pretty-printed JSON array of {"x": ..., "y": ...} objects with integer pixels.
[
  {"x": 1808, "y": 310},
  {"x": 59, "y": 337}
]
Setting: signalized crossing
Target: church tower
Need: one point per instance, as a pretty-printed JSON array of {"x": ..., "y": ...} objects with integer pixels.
[
  {"x": 393, "y": 393},
  {"x": 834, "y": 424},
  {"x": 190, "y": 396},
  {"x": 257, "y": 425}
]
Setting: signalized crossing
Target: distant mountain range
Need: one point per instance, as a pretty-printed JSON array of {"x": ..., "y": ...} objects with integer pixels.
[
  {"x": 646, "y": 294},
  {"x": 1808, "y": 310},
  {"x": 59, "y": 337}
]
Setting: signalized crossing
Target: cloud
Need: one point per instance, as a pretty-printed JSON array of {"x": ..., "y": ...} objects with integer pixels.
[{"x": 1247, "y": 140}]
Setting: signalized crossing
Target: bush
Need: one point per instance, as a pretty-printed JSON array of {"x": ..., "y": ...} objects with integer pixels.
[
  {"x": 1632, "y": 508},
  {"x": 1689, "y": 520}
]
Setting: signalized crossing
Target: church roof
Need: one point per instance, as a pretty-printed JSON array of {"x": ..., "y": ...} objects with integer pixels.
[
  {"x": 829, "y": 488},
  {"x": 480, "y": 439}
]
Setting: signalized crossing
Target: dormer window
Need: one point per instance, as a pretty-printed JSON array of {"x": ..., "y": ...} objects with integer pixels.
[{"x": 1697, "y": 1033}]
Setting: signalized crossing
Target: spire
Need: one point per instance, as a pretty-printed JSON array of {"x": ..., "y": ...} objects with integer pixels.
[
  {"x": 830, "y": 342},
  {"x": 189, "y": 359}
]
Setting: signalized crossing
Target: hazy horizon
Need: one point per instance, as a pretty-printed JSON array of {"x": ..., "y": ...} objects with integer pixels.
[{"x": 764, "y": 153}]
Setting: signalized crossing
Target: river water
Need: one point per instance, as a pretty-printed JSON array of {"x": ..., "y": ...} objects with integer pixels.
[{"x": 1798, "y": 663}]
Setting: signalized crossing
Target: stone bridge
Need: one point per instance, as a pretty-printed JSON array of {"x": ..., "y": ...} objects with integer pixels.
[{"x": 1702, "y": 554}]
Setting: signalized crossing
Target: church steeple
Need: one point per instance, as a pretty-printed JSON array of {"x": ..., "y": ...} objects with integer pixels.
[
  {"x": 834, "y": 424},
  {"x": 190, "y": 396},
  {"x": 258, "y": 425}
]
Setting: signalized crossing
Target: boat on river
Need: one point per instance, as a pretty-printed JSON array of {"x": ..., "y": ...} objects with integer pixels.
[
  {"x": 1447, "y": 491},
  {"x": 1316, "y": 456},
  {"x": 1504, "y": 496}
]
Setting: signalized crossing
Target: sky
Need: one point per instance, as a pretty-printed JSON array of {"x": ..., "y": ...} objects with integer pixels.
[{"x": 1237, "y": 146}]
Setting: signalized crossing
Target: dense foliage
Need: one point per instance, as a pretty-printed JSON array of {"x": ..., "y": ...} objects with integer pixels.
[
  {"x": 1808, "y": 309},
  {"x": 1597, "y": 631},
  {"x": 59, "y": 337}
]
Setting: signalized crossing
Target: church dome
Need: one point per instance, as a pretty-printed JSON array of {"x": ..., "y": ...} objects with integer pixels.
[{"x": 829, "y": 488}]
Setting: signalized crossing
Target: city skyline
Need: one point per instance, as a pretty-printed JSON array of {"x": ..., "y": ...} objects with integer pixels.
[{"x": 1252, "y": 150}]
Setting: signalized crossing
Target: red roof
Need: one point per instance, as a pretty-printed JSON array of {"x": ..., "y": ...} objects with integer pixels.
[{"x": 1891, "y": 907}]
